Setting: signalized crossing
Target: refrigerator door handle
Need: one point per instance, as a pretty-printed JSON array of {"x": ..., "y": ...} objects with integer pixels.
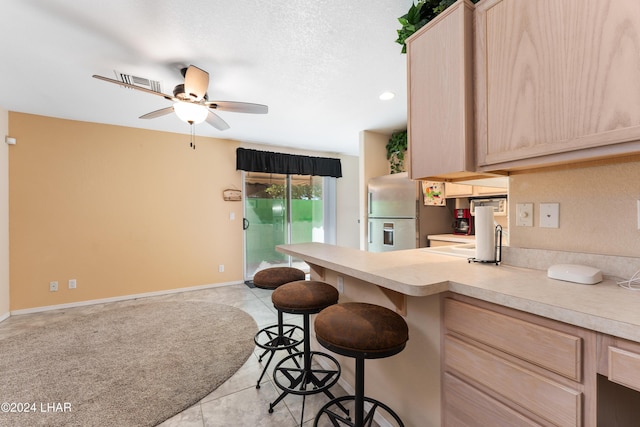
[
  {"x": 369, "y": 236},
  {"x": 369, "y": 207}
]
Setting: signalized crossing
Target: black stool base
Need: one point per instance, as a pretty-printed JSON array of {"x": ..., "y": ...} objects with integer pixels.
[
  {"x": 278, "y": 337},
  {"x": 337, "y": 419},
  {"x": 274, "y": 338},
  {"x": 292, "y": 378}
]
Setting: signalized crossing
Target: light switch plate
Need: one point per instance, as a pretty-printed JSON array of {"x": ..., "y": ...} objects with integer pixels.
[
  {"x": 524, "y": 214},
  {"x": 550, "y": 215}
]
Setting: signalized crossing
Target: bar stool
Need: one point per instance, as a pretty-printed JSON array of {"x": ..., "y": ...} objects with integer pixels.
[
  {"x": 305, "y": 298},
  {"x": 362, "y": 331},
  {"x": 279, "y": 336}
]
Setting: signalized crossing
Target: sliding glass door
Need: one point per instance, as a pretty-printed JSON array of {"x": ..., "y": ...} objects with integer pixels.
[{"x": 280, "y": 209}]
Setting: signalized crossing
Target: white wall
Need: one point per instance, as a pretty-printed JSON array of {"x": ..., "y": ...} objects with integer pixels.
[
  {"x": 4, "y": 216},
  {"x": 347, "y": 203}
]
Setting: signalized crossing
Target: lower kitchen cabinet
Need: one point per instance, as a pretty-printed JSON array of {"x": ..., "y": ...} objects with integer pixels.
[
  {"x": 618, "y": 382},
  {"x": 503, "y": 367}
]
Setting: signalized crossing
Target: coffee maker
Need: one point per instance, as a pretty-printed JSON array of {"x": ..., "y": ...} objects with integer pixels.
[{"x": 463, "y": 223}]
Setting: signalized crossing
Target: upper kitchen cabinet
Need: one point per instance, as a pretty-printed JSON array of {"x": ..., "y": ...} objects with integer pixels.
[
  {"x": 556, "y": 81},
  {"x": 440, "y": 84}
]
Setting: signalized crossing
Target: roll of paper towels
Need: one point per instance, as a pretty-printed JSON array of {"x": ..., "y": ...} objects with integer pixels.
[{"x": 485, "y": 234}]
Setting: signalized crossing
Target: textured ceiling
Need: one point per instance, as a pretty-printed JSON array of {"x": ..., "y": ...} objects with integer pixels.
[{"x": 319, "y": 65}]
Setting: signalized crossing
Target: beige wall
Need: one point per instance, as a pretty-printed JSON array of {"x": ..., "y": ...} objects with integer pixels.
[
  {"x": 121, "y": 210},
  {"x": 4, "y": 215},
  {"x": 373, "y": 162},
  {"x": 598, "y": 209}
]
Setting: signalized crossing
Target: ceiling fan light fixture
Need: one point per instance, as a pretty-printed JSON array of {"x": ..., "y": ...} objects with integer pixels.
[{"x": 190, "y": 113}]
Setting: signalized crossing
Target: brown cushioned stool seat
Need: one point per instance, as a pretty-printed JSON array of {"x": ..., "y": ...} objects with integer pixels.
[
  {"x": 271, "y": 278},
  {"x": 279, "y": 336},
  {"x": 305, "y": 298},
  {"x": 359, "y": 329},
  {"x": 302, "y": 297},
  {"x": 362, "y": 331}
]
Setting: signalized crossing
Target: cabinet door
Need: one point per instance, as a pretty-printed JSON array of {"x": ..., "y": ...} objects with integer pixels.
[
  {"x": 488, "y": 191},
  {"x": 440, "y": 124},
  {"x": 465, "y": 405},
  {"x": 558, "y": 80},
  {"x": 451, "y": 189}
]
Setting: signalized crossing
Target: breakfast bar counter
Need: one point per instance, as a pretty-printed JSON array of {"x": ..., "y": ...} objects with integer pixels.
[
  {"x": 477, "y": 331},
  {"x": 604, "y": 307}
]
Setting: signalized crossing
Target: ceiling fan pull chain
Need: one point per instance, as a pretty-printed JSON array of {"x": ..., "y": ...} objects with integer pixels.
[{"x": 192, "y": 144}]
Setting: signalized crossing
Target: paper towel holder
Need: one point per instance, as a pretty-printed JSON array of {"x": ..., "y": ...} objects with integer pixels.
[{"x": 498, "y": 249}]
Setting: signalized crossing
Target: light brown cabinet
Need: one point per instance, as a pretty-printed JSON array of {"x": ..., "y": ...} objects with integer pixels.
[
  {"x": 452, "y": 190},
  {"x": 556, "y": 81},
  {"x": 515, "y": 368},
  {"x": 619, "y": 381},
  {"x": 440, "y": 76}
]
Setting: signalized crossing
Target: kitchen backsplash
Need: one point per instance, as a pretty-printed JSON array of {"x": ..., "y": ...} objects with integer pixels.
[
  {"x": 614, "y": 267},
  {"x": 598, "y": 209}
]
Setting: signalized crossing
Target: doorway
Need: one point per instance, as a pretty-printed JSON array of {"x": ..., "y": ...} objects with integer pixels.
[{"x": 281, "y": 209}]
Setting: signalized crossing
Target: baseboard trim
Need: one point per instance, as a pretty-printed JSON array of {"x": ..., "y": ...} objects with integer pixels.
[
  {"x": 119, "y": 298},
  {"x": 5, "y": 316}
]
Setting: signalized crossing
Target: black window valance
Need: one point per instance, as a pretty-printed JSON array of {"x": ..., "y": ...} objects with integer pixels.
[{"x": 291, "y": 164}]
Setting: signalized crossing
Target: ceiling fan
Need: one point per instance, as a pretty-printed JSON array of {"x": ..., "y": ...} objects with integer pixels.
[{"x": 191, "y": 103}]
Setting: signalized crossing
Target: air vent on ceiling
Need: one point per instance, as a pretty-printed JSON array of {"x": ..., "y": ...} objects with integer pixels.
[{"x": 153, "y": 85}]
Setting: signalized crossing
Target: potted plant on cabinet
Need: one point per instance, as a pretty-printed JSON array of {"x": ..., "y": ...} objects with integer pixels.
[
  {"x": 418, "y": 16},
  {"x": 396, "y": 150}
]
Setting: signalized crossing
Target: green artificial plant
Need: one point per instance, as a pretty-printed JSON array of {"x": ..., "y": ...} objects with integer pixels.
[
  {"x": 418, "y": 16},
  {"x": 396, "y": 150}
]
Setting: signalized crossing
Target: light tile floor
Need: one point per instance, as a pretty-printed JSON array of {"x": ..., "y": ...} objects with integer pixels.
[{"x": 237, "y": 402}]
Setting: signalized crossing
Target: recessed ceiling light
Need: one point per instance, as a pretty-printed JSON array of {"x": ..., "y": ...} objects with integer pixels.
[{"x": 385, "y": 96}]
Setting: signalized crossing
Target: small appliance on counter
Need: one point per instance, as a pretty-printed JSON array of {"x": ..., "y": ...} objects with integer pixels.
[
  {"x": 463, "y": 222},
  {"x": 499, "y": 205}
]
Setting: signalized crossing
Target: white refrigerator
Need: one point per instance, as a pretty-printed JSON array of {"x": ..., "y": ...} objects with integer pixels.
[{"x": 397, "y": 217}]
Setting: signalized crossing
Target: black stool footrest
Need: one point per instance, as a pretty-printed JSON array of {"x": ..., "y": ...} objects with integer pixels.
[
  {"x": 296, "y": 378},
  {"x": 278, "y": 337},
  {"x": 338, "y": 419}
]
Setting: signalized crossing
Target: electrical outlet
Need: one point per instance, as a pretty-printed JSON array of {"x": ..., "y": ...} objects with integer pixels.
[
  {"x": 72, "y": 283},
  {"x": 53, "y": 286},
  {"x": 340, "y": 284},
  {"x": 221, "y": 268}
]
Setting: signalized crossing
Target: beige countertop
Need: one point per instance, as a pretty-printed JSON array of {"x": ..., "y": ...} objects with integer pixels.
[
  {"x": 604, "y": 307},
  {"x": 458, "y": 238}
]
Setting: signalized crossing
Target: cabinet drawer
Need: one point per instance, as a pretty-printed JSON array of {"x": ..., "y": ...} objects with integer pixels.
[
  {"x": 545, "y": 398},
  {"x": 624, "y": 367},
  {"x": 553, "y": 350},
  {"x": 467, "y": 406}
]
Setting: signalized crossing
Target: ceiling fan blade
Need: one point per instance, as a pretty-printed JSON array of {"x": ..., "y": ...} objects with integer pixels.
[
  {"x": 130, "y": 86},
  {"x": 238, "y": 107},
  {"x": 196, "y": 82},
  {"x": 216, "y": 121},
  {"x": 158, "y": 113}
]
